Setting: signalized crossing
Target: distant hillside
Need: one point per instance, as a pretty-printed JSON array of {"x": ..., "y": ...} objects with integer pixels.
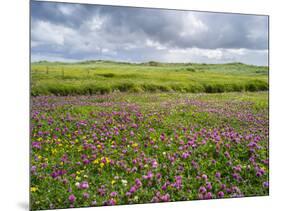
[{"x": 99, "y": 76}]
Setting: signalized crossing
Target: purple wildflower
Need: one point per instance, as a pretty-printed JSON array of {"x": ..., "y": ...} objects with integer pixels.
[
  {"x": 113, "y": 194},
  {"x": 84, "y": 185},
  {"x": 208, "y": 195},
  {"x": 208, "y": 186},
  {"x": 220, "y": 194},
  {"x": 218, "y": 175},
  {"x": 202, "y": 189},
  {"x": 204, "y": 176},
  {"x": 138, "y": 182},
  {"x": 71, "y": 198},
  {"x": 133, "y": 189},
  {"x": 185, "y": 155},
  {"x": 266, "y": 184},
  {"x": 86, "y": 195}
]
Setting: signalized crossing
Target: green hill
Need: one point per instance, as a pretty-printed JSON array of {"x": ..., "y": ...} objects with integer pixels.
[{"x": 100, "y": 77}]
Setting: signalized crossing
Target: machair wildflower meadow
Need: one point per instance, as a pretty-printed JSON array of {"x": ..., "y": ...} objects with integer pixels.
[{"x": 127, "y": 148}]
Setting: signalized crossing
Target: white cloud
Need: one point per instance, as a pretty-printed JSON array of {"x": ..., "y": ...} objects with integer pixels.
[
  {"x": 192, "y": 25},
  {"x": 95, "y": 23},
  {"x": 155, "y": 44},
  {"x": 215, "y": 54},
  {"x": 96, "y": 32},
  {"x": 43, "y": 32},
  {"x": 51, "y": 57},
  {"x": 258, "y": 57},
  {"x": 66, "y": 9},
  {"x": 240, "y": 51}
]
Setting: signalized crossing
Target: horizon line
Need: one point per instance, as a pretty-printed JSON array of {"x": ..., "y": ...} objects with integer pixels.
[{"x": 143, "y": 62}]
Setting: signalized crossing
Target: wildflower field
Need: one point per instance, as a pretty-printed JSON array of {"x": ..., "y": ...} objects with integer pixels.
[{"x": 127, "y": 148}]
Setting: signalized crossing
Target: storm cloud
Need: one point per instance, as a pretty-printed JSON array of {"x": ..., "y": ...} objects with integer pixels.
[{"x": 71, "y": 32}]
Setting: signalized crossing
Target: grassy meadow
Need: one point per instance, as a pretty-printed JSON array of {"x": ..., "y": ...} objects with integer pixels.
[
  {"x": 106, "y": 133},
  {"x": 101, "y": 77}
]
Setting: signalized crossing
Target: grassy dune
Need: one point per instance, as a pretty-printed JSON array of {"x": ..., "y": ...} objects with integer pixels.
[{"x": 101, "y": 77}]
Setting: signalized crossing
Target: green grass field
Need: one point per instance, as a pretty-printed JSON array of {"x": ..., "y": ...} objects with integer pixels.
[
  {"x": 101, "y": 77},
  {"x": 132, "y": 133}
]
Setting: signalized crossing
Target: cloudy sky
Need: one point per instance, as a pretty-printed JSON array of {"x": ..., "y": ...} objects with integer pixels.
[{"x": 73, "y": 32}]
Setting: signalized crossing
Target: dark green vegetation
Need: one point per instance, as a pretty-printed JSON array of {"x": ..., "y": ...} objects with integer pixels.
[{"x": 101, "y": 77}]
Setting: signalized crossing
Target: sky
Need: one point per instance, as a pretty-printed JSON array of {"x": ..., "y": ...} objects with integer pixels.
[{"x": 75, "y": 32}]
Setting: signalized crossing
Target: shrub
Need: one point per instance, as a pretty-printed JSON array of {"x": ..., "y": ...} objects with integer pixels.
[
  {"x": 107, "y": 75},
  {"x": 149, "y": 87},
  {"x": 153, "y": 63},
  {"x": 256, "y": 85},
  {"x": 189, "y": 69},
  {"x": 123, "y": 87}
]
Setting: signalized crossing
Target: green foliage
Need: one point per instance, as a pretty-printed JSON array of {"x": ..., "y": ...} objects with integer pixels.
[
  {"x": 102, "y": 77},
  {"x": 107, "y": 75}
]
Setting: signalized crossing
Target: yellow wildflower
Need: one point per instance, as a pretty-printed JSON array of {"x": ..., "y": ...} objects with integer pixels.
[
  {"x": 135, "y": 145},
  {"x": 33, "y": 189},
  {"x": 54, "y": 151},
  {"x": 96, "y": 161},
  {"x": 107, "y": 160}
]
